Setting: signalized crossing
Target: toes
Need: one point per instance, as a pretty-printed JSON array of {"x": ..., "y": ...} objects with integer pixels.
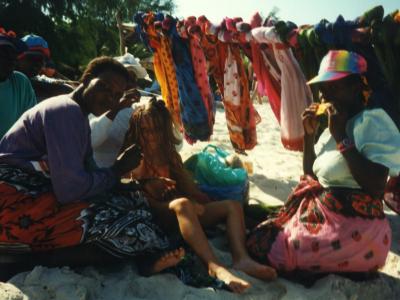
[
  {"x": 179, "y": 253},
  {"x": 238, "y": 287}
]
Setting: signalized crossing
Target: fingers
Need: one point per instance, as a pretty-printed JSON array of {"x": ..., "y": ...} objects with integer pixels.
[
  {"x": 133, "y": 95},
  {"x": 332, "y": 111}
]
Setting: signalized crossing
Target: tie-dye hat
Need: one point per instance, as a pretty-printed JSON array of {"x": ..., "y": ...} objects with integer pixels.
[{"x": 338, "y": 64}]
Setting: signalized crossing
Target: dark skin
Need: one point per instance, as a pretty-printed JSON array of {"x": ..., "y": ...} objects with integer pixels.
[
  {"x": 346, "y": 99},
  {"x": 8, "y": 60},
  {"x": 31, "y": 64},
  {"x": 100, "y": 94}
]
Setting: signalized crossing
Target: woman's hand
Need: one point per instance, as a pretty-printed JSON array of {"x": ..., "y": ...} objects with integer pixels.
[
  {"x": 337, "y": 121},
  {"x": 128, "y": 160},
  {"x": 310, "y": 120},
  {"x": 129, "y": 97}
]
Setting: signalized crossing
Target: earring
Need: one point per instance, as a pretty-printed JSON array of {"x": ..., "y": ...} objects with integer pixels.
[{"x": 366, "y": 91}]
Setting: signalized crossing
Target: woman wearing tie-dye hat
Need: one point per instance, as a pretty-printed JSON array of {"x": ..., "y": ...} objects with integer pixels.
[{"x": 334, "y": 220}]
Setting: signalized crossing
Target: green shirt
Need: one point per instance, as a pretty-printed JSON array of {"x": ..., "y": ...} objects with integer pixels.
[
  {"x": 16, "y": 96},
  {"x": 375, "y": 136}
]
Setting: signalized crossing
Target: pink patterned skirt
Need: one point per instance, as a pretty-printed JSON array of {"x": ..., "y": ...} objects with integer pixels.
[{"x": 324, "y": 230}]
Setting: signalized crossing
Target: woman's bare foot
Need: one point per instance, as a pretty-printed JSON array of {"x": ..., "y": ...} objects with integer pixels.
[
  {"x": 255, "y": 269},
  {"x": 236, "y": 284},
  {"x": 149, "y": 266}
]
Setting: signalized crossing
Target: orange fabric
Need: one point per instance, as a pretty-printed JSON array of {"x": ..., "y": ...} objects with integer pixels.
[
  {"x": 39, "y": 222},
  {"x": 213, "y": 49},
  {"x": 241, "y": 118},
  {"x": 164, "y": 69}
]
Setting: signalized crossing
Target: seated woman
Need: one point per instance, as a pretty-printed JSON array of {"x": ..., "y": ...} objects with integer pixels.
[
  {"x": 334, "y": 220},
  {"x": 185, "y": 208},
  {"x": 51, "y": 194}
]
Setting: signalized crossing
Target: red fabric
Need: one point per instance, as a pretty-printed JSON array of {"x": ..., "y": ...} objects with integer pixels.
[{"x": 39, "y": 222}]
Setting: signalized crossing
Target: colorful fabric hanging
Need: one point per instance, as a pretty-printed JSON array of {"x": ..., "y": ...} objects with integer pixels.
[
  {"x": 193, "y": 110},
  {"x": 240, "y": 114},
  {"x": 163, "y": 64},
  {"x": 295, "y": 96},
  {"x": 262, "y": 69},
  {"x": 193, "y": 33},
  {"x": 214, "y": 50}
]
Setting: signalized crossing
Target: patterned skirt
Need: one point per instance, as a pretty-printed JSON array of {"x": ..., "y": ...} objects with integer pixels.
[
  {"x": 324, "y": 230},
  {"x": 31, "y": 219}
]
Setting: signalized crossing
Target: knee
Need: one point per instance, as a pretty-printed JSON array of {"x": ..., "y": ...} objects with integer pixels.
[{"x": 181, "y": 205}]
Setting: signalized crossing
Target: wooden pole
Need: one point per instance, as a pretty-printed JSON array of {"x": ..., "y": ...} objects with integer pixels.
[{"x": 118, "y": 16}]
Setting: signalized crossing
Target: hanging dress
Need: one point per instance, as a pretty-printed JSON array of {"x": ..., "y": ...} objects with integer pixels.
[{"x": 296, "y": 95}]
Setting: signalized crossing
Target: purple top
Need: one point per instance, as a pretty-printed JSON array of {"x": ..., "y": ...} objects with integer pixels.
[{"x": 57, "y": 131}]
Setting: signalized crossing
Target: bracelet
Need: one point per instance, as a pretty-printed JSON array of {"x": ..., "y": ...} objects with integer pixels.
[{"x": 344, "y": 145}]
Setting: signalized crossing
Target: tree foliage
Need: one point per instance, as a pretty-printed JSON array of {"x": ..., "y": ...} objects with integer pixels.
[{"x": 76, "y": 30}]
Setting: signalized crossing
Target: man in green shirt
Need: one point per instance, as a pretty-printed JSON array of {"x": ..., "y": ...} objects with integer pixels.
[{"x": 16, "y": 93}]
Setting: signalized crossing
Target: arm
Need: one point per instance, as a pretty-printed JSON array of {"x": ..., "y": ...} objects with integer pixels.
[
  {"x": 310, "y": 124},
  {"x": 308, "y": 155},
  {"x": 370, "y": 176},
  {"x": 186, "y": 184},
  {"x": 67, "y": 141}
]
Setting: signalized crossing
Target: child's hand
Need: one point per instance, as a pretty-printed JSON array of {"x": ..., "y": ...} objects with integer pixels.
[{"x": 158, "y": 187}]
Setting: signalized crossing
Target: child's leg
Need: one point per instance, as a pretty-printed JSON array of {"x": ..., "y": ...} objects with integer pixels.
[
  {"x": 231, "y": 212},
  {"x": 194, "y": 235}
]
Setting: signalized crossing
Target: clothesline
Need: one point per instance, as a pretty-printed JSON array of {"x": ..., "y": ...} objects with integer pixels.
[{"x": 148, "y": 93}]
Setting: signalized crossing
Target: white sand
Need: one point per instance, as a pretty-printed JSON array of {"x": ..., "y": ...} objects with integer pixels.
[{"x": 276, "y": 172}]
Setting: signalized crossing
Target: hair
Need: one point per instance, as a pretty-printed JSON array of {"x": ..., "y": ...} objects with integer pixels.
[
  {"x": 103, "y": 64},
  {"x": 159, "y": 114}
]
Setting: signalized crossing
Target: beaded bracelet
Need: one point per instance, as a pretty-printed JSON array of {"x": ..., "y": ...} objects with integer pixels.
[{"x": 344, "y": 145}]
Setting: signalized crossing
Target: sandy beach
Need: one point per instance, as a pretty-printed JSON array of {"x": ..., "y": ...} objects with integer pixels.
[{"x": 276, "y": 172}]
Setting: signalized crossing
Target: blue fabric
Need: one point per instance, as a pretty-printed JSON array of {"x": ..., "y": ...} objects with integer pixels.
[
  {"x": 138, "y": 18},
  {"x": 338, "y": 35},
  {"x": 237, "y": 192},
  {"x": 193, "y": 111}
]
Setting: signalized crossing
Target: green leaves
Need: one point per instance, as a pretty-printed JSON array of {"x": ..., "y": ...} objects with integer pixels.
[{"x": 77, "y": 30}]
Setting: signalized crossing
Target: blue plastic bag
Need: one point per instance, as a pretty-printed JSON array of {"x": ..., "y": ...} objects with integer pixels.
[
  {"x": 215, "y": 178},
  {"x": 210, "y": 168}
]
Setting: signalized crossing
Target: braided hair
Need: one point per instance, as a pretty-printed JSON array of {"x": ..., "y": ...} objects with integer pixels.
[{"x": 161, "y": 118}]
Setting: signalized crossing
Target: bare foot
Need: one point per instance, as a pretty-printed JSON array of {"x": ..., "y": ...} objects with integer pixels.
[
  {"x": 255, "y": 269},
  {"x": 236, "y": 284},
  {"x": 149, "y": 266},
  {"x": 168, "y": 260}
]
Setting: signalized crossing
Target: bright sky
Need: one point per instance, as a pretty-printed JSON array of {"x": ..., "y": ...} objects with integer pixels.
[{"x": 298, "y": 11}]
